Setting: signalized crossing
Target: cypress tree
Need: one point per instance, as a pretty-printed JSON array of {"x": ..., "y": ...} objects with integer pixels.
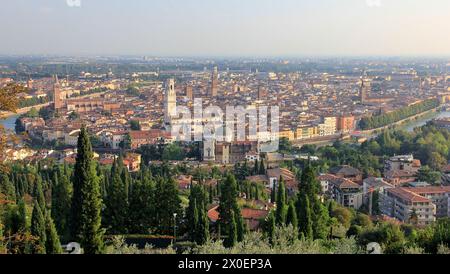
[
  {"x": 309, "y": 184},
  {"x": 61, "y": 203},
  {"x": 230, "y": 241},
  {"x": 22, "y": 216},
  {"x": 21, "y": 185},
  {"x": 86, "y": 200},
  {"x": 197, "y": 203},
  {"x": 66, "y": 170},
  {"x": 240, "y": 226},
  {"x": 38, "y": 229},
  {"x": 141, "y": 207},
  {"x": 194, "y": 222},
  {"x": 228, "y": 206},
  {"x": 320, "y": 218},
  {"x": 52, "y": 244},
  {"x": 126, "y": 180},
  {"x": 291, "y": 218},
  {"x": 211, "y": 194},
  {"x": 219, "y": 231},
  {"x": 304, "y": 217},
  {"x": 7, "y": 187},
  {"x": 270, "y": 227},
  {"x": 262, "y": 169},
  {"x": 116, "y": 202},
  {"x": 310, "y": 187},
  {"x": 280, "y": 216},
  {"x": 168, "y": 202},
  {"x": 273, "y": 194},
  {"x": 202, "y": 226},
  {"x": 256, "y": 168},
  {"x": 38, "y": 193}
]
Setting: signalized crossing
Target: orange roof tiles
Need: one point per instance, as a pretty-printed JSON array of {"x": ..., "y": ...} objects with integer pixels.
[{"x": 407, "y": 195}]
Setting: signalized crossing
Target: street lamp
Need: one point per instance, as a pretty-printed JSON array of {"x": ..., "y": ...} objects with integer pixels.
[{"x": 174, "y": 227}]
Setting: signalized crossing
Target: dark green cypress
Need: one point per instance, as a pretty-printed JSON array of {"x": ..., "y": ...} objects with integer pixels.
[
  {"x": 211, "y": 194},
  {"x": 256, "y": 168},
  {"x": 196, "y": 202},
  {"x": 280, "y": 216},
  {"x": 61, "y": 203},
  {"x": 142, "y": 207},
  {"x": 270, "y": 227},
  {"x": 38, "y": 229},
  {"x": 195, "y": 222},
  {"x": 304, "y": 217},
  {"x": 22, "y": 215},
  {"x": 231, "y": 239},
  {"x": 168, "y": 202},
  {"x": 240, "y": 227},
  {"x": 202, "y": 227},
  {"x": 228, "y": 205},
  {"x": 273, "y": 194},
  {"x": 262, "y": 169},
  {"x": 116, "y": 202},
  {"x": 7, "y": 187},
  {"x": 38, "y": 193},
  {"x": 52, "y": 244},
  {"x": 86, "y": 200},
  {"x": 291, "y": 218},
  {"x": 310, "y": 187}
]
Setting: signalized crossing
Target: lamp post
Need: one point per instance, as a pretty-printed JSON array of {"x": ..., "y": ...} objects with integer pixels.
[{"x": 174, "y": 227}]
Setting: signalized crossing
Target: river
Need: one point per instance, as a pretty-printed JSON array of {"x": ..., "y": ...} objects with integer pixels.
[
  {"x": 10, "y": 122},
  {"x": 410, "y": 126}
]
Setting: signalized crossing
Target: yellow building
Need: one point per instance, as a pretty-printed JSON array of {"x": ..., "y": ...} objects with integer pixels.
[
  {"x": 287, "y": 133},
  {"x": 307, "y": 132}
]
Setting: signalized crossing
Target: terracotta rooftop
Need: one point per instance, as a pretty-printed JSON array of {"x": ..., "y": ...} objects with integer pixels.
[
  {"x": 345, "y": 170},
  {"x": 247, "y": 213},
  {"x": 407, "y": 195},
  {"x": 339, "y": 182},
  {"x": 429, "y": 189}
]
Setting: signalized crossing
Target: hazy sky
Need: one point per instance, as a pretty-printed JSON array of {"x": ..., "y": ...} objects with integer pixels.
[{"x": 226, "y": 27}]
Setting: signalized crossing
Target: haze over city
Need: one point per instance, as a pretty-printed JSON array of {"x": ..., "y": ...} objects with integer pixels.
[
  {"x": 226, "y": 28},
  {"x": 228, "y": 127}
]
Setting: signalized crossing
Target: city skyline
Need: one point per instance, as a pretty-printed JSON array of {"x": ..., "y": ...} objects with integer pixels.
[{"x": 199, "y": 28}]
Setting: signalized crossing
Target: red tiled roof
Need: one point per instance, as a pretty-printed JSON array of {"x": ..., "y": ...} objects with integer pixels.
[
  {"x": 407, "y": 195},
  {"x": 257, "y": 178},
  {"x": 250, "y": 213},
  {"x": 429, "y": 189},
  {"x": 213, "y": 214},
  {"x": 150, "y": 134},
  {"x": 247, "y": 213},
  {"x": 339, "y": 182},
  {"x": 106, "y": 161}
]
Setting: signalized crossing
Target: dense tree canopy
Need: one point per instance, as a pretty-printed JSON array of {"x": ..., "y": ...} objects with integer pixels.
[{"x": 378, "y": 121}]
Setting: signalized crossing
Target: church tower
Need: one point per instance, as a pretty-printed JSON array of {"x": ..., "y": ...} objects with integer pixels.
[
  {"x": 58, "y": 102},
  {"x": 364, "y": 89},
  {"x": 170, "y": 101},
  {"x": 209, "y": 150},
  {"x": 214, "y": 82}
]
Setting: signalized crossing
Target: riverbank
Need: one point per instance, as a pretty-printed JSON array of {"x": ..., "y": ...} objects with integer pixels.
[
  {"x": 5, "y": 114},
  {"x": 375, "y": 131},
  {"x": 407, "y": 124}
]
